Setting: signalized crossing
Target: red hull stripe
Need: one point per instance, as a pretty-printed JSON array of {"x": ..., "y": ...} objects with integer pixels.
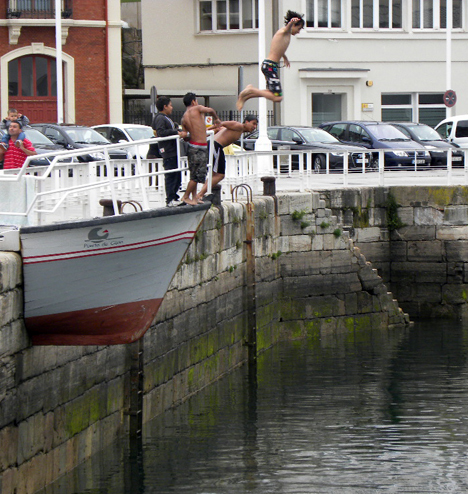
[
  {"x": 108, "y": 250},
  {"x": 111, "y": 325}
]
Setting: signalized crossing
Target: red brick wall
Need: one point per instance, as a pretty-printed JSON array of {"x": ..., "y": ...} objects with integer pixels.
[{"x": 87, "y": 45}]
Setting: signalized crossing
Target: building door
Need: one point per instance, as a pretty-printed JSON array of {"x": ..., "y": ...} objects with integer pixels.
[
  {"x": 32, "y": 87},
  {"x": 325, "y": 107}
]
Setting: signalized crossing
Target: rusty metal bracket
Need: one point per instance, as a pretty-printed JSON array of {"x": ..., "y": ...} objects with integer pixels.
[{"x": 246, "y": 188}]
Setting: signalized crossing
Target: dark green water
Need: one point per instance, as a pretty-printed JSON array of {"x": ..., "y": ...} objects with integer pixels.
[{"x": 372, "y": 412}]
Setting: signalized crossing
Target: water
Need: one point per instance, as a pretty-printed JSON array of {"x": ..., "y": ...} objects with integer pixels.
[{"x": 374, "y": 412}]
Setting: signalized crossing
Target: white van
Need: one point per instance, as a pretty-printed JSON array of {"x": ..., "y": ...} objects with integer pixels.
[{"x": 454, "y": 129}]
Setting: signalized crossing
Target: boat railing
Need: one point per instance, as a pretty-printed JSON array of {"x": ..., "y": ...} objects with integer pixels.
[{"x": 66, "y": 190}]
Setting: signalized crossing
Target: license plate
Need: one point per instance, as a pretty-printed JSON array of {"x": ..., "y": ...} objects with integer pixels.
[
  {"x": 362, "y": 160},
  {"x": 456, "y": 158},
  {"x": 419, "y": 162}
]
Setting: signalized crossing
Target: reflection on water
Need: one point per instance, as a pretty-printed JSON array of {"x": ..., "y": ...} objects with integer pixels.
[{"x": 375, "y": 412}]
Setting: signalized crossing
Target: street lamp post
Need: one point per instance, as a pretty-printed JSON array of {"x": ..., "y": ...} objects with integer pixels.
[{"x": 263, "y": 143}]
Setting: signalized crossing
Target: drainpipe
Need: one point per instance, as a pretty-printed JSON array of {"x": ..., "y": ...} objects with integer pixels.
[
  {"x": 251, "y": 337},
  {"x": 106, "y": 13}
]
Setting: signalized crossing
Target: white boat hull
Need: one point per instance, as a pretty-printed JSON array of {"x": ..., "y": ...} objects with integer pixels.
[{"x": 101, "y": 282}]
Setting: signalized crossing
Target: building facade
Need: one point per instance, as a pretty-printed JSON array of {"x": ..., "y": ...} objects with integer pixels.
[
  {"x": 91, "y": 60},
  {"x": 355, "y": 59}
]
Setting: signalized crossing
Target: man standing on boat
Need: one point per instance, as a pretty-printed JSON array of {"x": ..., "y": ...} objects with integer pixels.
[
  {"x": 229, "y": 132},
  {"x": 18, "y": 150},
  {"x": 164, "y": 127},
  {"x": 193, "y": 122}
]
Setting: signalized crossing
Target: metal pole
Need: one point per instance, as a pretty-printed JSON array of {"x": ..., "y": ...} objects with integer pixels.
[
  {"x": 448, "y": 46},
  {"x": 58, "y": 59},
  {"x": 264, "y": 163}
]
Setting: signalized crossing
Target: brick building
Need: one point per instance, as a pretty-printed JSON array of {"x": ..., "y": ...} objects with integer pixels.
[{"x": 91, "y": 60}]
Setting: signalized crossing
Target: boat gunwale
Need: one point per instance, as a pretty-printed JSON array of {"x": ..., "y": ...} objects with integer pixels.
[{"x": 122, "y": 218}]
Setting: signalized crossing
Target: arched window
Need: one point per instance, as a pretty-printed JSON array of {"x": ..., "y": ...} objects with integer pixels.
[{"x": 32, "y": 87}]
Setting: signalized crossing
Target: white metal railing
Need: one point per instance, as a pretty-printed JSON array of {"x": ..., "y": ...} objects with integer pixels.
[
  {"x": 61, "y": 191},
  {"x": 294, "y": 170},
  {"x": 38, "y": 195}
]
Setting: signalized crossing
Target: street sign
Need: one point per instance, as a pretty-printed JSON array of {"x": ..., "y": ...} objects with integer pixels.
[{"x": 450, "y": 98}]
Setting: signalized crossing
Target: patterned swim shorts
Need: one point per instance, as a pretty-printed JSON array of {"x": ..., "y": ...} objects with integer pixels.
[
  {"x": 270, "y": 71},
  {"x": 197, "y": 157}
]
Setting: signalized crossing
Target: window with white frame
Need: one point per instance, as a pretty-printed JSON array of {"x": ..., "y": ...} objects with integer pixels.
[
  {"x": 376, "y": 14},
  {"x": 323, "y": 13},
  {"x": 226, "y": 15},
  {"x": 425, "y": 108},
  {"x": 432, "y": 14}
]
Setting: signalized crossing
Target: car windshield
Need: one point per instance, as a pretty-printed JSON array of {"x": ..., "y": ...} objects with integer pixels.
[
  {"x": 424, "y": 132},
  {"x": 137, "y": 133},
  {"x": 37, "y": 137},
  {"x": 317, "y": 135},
  {"x": 388, "y": 132},
  {"x": 86, "y": 136}
]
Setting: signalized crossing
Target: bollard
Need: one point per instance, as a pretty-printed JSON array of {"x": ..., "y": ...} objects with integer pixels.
[
  {"x": 108, "y": 207},
  {"x": 269, "y": 186},
  {"x": 216, "y": 191}
]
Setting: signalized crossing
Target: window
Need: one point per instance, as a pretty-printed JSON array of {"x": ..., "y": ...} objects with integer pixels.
[
  {"x": 357, "y": 134},
  {"x": 32, "y": 76},
  {"x": 375, "y": 14},
  {"x": 425, "y": 108},
  {"x": 432, "y": 14},
  {"x": 323, "y": 13},
  {"x": 226, "y": 15},
  {"x": 390, "y": 14},
  {"x": 338, "y": 131}
]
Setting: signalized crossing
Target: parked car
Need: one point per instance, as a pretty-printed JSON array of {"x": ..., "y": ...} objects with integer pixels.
[
  {"x": 76, "y": 137},
  {"x": 402, "y": 151},
  {"x": 42, "y": 144},
  {"x": 432, "y": 141},
  {"x": 306, "y": 138},
  {"x": 127, "y": 133},
  {"x": 455, "y": 130}
]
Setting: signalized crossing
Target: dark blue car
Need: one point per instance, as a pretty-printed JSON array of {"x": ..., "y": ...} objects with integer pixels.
[{"x": 400, "y": 151}]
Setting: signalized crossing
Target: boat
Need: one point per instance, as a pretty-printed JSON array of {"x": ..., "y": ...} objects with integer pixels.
[{"x": 93, "y": 273}]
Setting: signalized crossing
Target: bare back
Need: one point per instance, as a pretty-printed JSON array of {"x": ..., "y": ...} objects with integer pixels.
[{"x": 229, "y": 135}]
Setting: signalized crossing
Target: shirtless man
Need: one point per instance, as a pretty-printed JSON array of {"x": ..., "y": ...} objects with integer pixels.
[
  {"x": 279, "y": 44},
  {"x": 228, "y": 133},
  {"x": 193, "y": 122}
]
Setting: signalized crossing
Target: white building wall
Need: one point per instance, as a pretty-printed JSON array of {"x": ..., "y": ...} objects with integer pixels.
[{"x": 339, "y": 61}]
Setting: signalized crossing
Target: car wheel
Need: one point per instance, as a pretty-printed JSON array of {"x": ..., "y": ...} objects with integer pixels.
[{"x": 318, "y": 163}]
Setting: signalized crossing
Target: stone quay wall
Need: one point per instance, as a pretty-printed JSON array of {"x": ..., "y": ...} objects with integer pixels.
[
  {"x": 256, "y": 273},
  {"x": 417, "y": 239}
]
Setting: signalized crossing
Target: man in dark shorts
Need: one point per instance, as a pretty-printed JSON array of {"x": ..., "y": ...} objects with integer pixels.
[
  {"x": 228, "y": 133},
  {"x": 279, "y": 44},
  {"x": 197, "y": 155}
]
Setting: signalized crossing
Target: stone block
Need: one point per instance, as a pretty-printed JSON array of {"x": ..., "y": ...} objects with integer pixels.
[
  {"x": 30, "y": 437},
  {"x": 300, "y": 243},
  {"x": 457, "y": 251},
  {"x": 426, "y": 251},
  {"x": 428, "y": 216},
  {"x": 369, "y": 278},
  {"x": 452, "y": 232},
  {"x": 10, "y": 271},
  {"x": 342, "y": 261},
  {"x": 417, "y": 232},
  {"x": 455, "y": 294},
  {"x": 9, "y": 449},
  {"x": 456, "y": 215},
  {"x": 406, "y": 215},
  {"x": 365, "y": 235}
]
